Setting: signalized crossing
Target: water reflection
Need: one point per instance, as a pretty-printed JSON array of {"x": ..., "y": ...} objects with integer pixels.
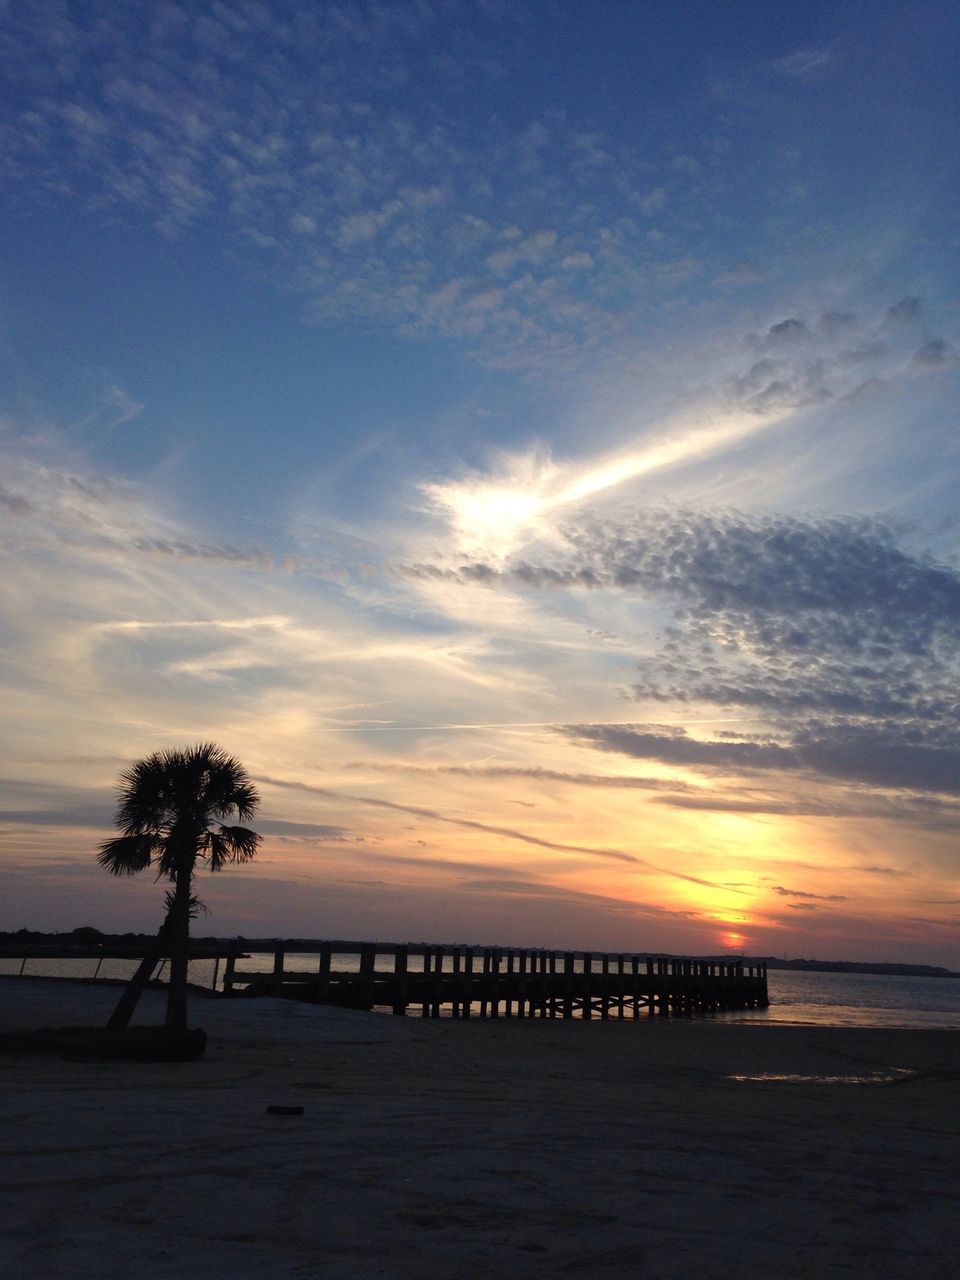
[{"x": 891, "y": 1076}]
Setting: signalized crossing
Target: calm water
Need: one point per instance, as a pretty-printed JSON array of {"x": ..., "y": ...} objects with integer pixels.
[
  {"x": 858, "y": 1000},
  {"x": 825, "y": 999}
]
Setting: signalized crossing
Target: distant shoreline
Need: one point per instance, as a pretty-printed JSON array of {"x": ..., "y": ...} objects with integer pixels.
[{"x": 878, "y": 968}]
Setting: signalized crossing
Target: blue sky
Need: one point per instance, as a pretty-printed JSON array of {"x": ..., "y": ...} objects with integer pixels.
[{"x": 524, "y": 435}]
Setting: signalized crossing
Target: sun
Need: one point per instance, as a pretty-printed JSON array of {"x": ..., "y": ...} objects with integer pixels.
[
  {"x": 732, "y": 940},
  {"x": 726, "y": 912}
]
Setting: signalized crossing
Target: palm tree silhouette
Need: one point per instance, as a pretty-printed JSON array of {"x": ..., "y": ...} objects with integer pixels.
[{"x": 168, "y": 805}]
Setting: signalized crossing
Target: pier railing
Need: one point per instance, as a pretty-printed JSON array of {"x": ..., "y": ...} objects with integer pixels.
[
  {"x": 494, "y": 982},
  {"x": 89, "y": 959}
]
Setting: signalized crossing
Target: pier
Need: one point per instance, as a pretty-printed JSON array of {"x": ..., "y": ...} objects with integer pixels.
[
  {"x": 96, "y": 953},
  {"x": 494, "y": 982},
  {"x": 444, "y": 981}
]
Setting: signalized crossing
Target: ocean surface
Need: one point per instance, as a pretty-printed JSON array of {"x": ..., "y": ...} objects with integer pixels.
[
  {"x": 797, "y": 998},
  {"x": 856, "y": 1000}
]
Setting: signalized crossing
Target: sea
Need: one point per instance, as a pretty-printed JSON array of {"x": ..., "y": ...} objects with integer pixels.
[
  {"x": 797, "y": 998},
  {"x": 805, "y": 998}
]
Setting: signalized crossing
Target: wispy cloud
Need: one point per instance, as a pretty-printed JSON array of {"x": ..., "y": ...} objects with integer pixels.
[
  {"x": 802, "y": 893},
  {"x": 499, "y": 515},
  {"x": 433, "y": 815},
  {"x": 115, "y": 408},
  {"x": 533, "y": 773},
  {"x": 803, "y": 63},
  {"x": 764, "y": 380},
  {"x": 103, "y": 515}
]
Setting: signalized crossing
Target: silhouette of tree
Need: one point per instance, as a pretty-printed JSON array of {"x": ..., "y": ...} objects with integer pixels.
[{"x": 169, "y": 805}]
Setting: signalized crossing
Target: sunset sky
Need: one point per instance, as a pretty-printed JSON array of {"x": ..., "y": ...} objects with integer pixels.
[{"x": 525, "y": 435}]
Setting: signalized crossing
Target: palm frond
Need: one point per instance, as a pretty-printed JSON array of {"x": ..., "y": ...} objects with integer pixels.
[
  {"x": 246, "y": 800},
  {"x": 128, "y": 854},
  {"x": 231, "y": 844},
  {"x": 196, "y": 907},
  {"x": 145, "y": 796}
]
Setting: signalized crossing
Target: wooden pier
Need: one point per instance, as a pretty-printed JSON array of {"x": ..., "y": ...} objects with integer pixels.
[
  {"x": 491, "y": 982},
  {"x": 97, "y": 953}
]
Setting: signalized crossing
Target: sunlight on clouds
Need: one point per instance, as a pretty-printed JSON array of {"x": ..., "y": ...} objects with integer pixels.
[
  {"x": 496, "y": 516},
  {"x": 717, "y": 903},
  {"x": 275, "y": 622},
  {"x": 688, "y": 445}
]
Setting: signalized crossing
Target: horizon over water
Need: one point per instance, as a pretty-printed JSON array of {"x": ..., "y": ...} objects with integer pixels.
[{"x": 797, "y": 997}]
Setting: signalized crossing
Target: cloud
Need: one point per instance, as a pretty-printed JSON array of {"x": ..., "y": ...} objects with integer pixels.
[
  {"x": 724, "y": 794},
  {"x": 787, "y": 331},
  {"x": 798, "y": 362},
  {"x": 676, "y": 747},
  {"x": 511, "y": 833},
  {"x": 497, "y": 515},
  {"x": 802, "y": 64},
  {"x": 435, "y": 815},
  {"x": 653, "y": 201},
  {"x": 15, "y": 503},
  {"x": 800, "y": 893},
  {"x": 101, "y": 515},
  {"x": 762, "y": 382},
  {"x": 324, "y": 832},
  {"x": 364, "y": 196},
  {"x": 511, "y": 887},
  {"x": 845, "y": 643},
  {"x": 903, "y": 312},
  {"x": 884, "y": 756},
  {"x": 934, "y": 354},
  {"x": 578, "y": 261},
  {"x": 847, "y": 579},
  {"x": 37, "y": 803},
  {"x": 95, "y": 815},
  {"x": 831, "y": 799},
  {"x": 744, "y": 273},
  {"x": 180, "y": 549},
  {"x": 115, "y": 407},
  {"x": 301, "y": 224},
  {"x": 533, "y": 773}
]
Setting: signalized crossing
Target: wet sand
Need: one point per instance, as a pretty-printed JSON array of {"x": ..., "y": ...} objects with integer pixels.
[{"x": 447, "y": 1150}]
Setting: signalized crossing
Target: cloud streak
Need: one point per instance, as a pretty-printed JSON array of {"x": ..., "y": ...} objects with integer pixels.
[
  {"x": 791, "y": 366},
  {"x": 433, "y": 815}
]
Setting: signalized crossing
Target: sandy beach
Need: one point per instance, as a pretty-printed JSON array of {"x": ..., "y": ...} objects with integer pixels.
[{"x": 440, "y": 1150}]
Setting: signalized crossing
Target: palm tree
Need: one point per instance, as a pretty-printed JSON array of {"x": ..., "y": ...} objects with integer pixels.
[{"x": 168, "y": 805}]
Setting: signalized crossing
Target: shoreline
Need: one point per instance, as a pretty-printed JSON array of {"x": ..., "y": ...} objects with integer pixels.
[{"x": 441, "y": 1149}]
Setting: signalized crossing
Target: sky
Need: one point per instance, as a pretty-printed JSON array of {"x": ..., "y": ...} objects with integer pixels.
[{"x": 524, "y": 435}]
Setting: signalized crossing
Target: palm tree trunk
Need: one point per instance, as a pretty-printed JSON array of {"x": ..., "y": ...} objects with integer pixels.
[
  {"x": 179, "y": 949},
  {"x": 135, "y": 987}
]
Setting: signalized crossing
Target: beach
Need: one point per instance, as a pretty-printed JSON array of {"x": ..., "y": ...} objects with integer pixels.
[{"x": 434, "y": 1150}]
